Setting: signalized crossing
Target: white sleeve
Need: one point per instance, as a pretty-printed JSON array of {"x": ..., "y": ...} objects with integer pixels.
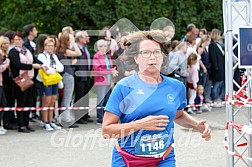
[
  {"x": 42, "y": 58},
  {"x": 59, "y": 65}
]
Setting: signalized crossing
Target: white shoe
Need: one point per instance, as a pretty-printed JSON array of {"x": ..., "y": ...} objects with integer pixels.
[
  {"x": 217, "y": 105},
  {"x": 2, "y": 132},
  {"x": 190, "y": 111},
  {"x": 41, "y": 123},
  {"x": 198, "y": 111},
  {"x": 54, "y": 126},
  {"x": 2, "y": 129},
  {"x": 48, "y": 127}
]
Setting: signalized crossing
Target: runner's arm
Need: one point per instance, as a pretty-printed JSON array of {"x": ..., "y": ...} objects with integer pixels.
[
  {"x": 187, "y": 121},
  {"x": 111, "y": 128}
]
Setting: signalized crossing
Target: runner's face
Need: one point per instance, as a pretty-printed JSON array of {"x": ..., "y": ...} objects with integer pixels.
[{"x": 150, "y": 57}]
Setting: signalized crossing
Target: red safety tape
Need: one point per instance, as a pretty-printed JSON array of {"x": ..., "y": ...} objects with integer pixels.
[
  {"x": 227, "y": 100},
  {"x": 242, "y": 100},
  {"x": 79, "y": 108},
  {"x": 242, "y": 144},
  {"x": 200, "y": 105},
  {"x": 226, "y": 140},
  {"x": 46, "y": 108}
]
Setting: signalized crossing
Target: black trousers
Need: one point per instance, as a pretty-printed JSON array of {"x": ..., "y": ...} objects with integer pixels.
[
  {"x": 25, "y": 99},
  {"x": 81, "y": 89},
  {"x": 2, "y": 103},
  {"x": 9, "y": 116}
]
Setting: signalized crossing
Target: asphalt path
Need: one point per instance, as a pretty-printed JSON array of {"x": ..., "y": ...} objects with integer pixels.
[{"x": 85, "y": 147}]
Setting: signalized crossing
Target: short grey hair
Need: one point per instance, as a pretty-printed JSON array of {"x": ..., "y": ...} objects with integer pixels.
[
  {"x": 78, "y": 35},
  {"x": 101, "y": 42}
]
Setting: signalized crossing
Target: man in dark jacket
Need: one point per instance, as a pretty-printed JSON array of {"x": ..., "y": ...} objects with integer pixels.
[
  {"x": 82, "y": 83},
  {"x": 30, "y": 33}
]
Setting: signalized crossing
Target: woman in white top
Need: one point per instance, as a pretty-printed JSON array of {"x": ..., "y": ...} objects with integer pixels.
[{"x": 51, "y": 65}]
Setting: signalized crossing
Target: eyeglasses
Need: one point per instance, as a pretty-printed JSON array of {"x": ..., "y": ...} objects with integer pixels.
[
  {"x": 50, "y": 46},
  {"x": 147, "y": 53},
  {"x": 102, "y": 45}
]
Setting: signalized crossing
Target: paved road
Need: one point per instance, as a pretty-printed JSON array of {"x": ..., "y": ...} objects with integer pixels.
[{"x": 84, "y": 147}]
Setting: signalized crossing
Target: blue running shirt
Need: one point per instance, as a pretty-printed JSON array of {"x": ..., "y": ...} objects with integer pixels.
[{"x": 133, "y": 99}]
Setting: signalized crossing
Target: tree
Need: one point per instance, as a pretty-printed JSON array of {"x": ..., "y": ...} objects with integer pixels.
[{"x": 50, "y": 16}]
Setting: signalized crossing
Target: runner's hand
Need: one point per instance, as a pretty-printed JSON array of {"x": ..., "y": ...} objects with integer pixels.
[
  {"x": 153, "y": 122},
  {"x": 204, "y": 129}
]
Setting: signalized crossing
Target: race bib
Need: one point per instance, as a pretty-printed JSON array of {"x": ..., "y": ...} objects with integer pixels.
[{"x": 152, "y": 145}]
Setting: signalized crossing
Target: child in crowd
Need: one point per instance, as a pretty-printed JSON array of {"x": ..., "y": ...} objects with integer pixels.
[
  {"x": 192, "y": 79},
  {"x": 200, "y": 100}
]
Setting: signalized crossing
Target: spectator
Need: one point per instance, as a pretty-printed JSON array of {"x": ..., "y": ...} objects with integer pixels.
[
  {"x": 9, "y": 117},
  {"x": 82, "y": 82},
  {"x": 104, "y": 71},
  {"x": 67, "y": 56},
  {"x": 169, "y": 32},
  {"x": 40, "y": 49},
  {"x": 10, "y": 35},
  {"x": 40, "y": 44},
  {"x": 190, "y": 30},
  {"x": 217, "y": 69},
  {"x": 192, "y": 80},
  {"x": 169, "y": 57},
  {"x": 115, "y": 33},
  {"x": 67, "y": 30},
  {"x": 202, "y": 32},
  {"x": 177, "y": 67},
  {"x": 4, "y": 64},
  {"x": 200, "y": 100},
  {"x": 31, "y": 33},
  {"x": 51, "y": 65},
  {"x": 21, "y": 60},
  {"x": 196, "y": 32},
  {"x": 106, "y": 35},
  {"x": 122, "y": 67},
  {"x": 202, "y": 50}
]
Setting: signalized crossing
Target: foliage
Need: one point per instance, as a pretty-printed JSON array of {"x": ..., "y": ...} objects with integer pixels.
[{"x": 50, "y": 16}]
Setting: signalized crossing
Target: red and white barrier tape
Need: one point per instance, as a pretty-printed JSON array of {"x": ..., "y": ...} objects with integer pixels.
[
  {"x": 243, "y": 128},
  {"x": 227, "y": 100},
  {"x": 242, "y": 100},
  {"x": 200, "y": 105},
  {"x": 74, "y": 108},
  {"x": 46, "y": 108},
  {"x": 81, "y": 108}
]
